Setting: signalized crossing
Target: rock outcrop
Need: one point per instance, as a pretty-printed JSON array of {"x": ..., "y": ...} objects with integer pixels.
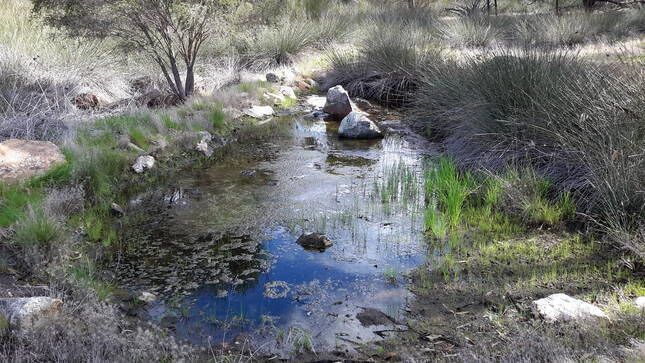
[
  {"x": 562, "y": 308},
  {"x": 28, "y": 312},
  {"x": 24, "y": 159},
  {"x": 338, "y": 103},
  {"x": 358, "y": 126}
]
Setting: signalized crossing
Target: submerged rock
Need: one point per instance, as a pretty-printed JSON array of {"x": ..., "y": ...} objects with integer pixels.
[
  {"x": 147, "y": 297},
  {"x": 27, "y": 313},
  {"x": 276, "y": 289},
  {"x": 562, "y": 307},
  {"x": 358, "y": 126},
  {"x": 337, "y": 104},
  {"x": 24, "y": 159},
  {"x": 259, "y": 111},
  {"x": 314, "y": 241},
  {"x": 143, "y": 163},
  {"x": 371, "y": 316}
]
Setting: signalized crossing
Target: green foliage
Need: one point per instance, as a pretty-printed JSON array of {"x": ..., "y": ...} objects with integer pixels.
[
  {"x": 450, "y": 189},
  {"x": 36, "y": 229},
  {"x": 13, "y": 202},
  {"x": 217, "y": 117},
  {"x": 169, "y": 123}
]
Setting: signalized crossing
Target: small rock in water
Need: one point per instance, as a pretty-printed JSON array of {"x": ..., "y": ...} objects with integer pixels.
[
  {"x": 314, "y": 241},
  {"x": 259, "y": 111},
  {"x": 562, "y": 307},
  {"x": 358, "y": 126},
  {"x": 337, "y": 103},
  {"x": 27, "y": 313},
  {"x": 371, "y": 316},
  {"x": 147, "y": 297},
  {"x": 143, "y": 163}
]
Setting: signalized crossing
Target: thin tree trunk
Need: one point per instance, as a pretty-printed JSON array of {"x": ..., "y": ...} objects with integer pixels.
[
  {"x": 190, "y": 80},
  {"x": 175, "y": 73},
  {"x": 411, "y": 4}
]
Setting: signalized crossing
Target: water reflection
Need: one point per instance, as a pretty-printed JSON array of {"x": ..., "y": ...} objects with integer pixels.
[{"x": 227, "y": 261}]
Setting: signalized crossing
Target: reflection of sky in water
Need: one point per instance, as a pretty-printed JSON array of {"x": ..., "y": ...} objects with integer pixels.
[{"x": 307, "y": 192}]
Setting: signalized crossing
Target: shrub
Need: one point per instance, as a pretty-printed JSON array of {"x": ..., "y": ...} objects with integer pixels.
[
  {"x": 36, "y": 229},
  {"x": 578, "y": 124},
  {"x": 469, "y": 32}
]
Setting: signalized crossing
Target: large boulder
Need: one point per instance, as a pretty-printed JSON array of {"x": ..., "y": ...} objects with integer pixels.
[
  {"x": 337, "y": 104},
  {"x": 358, "y": 126},
  {"x": 314, "y": 241},
  {"x": 24, "y": 159},
  {"x": 27, "y": 313},
  {"x": 562, "y": 308}
]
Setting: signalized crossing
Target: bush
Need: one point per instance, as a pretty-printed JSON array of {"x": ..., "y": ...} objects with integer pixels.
[
  {"x": 577, "y": 124},
  {"x": 36, "y": 229}
]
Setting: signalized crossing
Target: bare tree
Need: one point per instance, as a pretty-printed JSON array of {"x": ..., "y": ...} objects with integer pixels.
[{"x": 170, "y": 32}]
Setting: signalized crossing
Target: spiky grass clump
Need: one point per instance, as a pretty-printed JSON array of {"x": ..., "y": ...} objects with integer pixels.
[
  {"x": 386, "y": 67},
  {"x": 577, "y": 124},
  {"x": 478, "y": 32},
  {"x": 36, "y": 229}
]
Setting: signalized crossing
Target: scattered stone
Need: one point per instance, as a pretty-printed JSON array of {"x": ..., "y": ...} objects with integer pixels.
[
  {"x": 85, "y": 101},
  {"x": 24, "y": 159},
  {"x": 143, "y": 163},
  {"x": 203, "y": 148},
  {"x": 561, "y": 307},
  {"x": 640, "y": 302},
  {"x": 272, "y": 78},
  {"x": 147, "y": 297},
  {"x": 276, "y": 99},
  {"x": 314, "y": 241},
  {"x": 116, "y": 210},
  {"x": 276, "y": 289},
  {"x": 338, "y": 104},
  {"x": 288, "y": 92},
  {"x": 27, "y": 313},
  {"x": 259, "y": 111},
  {"x": 370, "y": 317},
  {"x": 358, "y": 126}
]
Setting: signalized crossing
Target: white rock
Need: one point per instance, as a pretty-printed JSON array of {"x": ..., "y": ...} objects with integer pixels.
[
  {"x": 147, "y": 297},
  {"x": 338, "y": 103},
  {"x": 205, "y": 136},
  {"x": 27, "y": 313},
  {"x": 288, "y": 92},
  {"x": 203, "y": 148},
  {"x": 259, "y": 111},
  {"x": 640, "y": 302},
  {"x": 561, "y": 307},
  {"x": 317, "y": 102},
  {"x": 358, "y": 126},
  {"x": 143, "y": 163}
]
